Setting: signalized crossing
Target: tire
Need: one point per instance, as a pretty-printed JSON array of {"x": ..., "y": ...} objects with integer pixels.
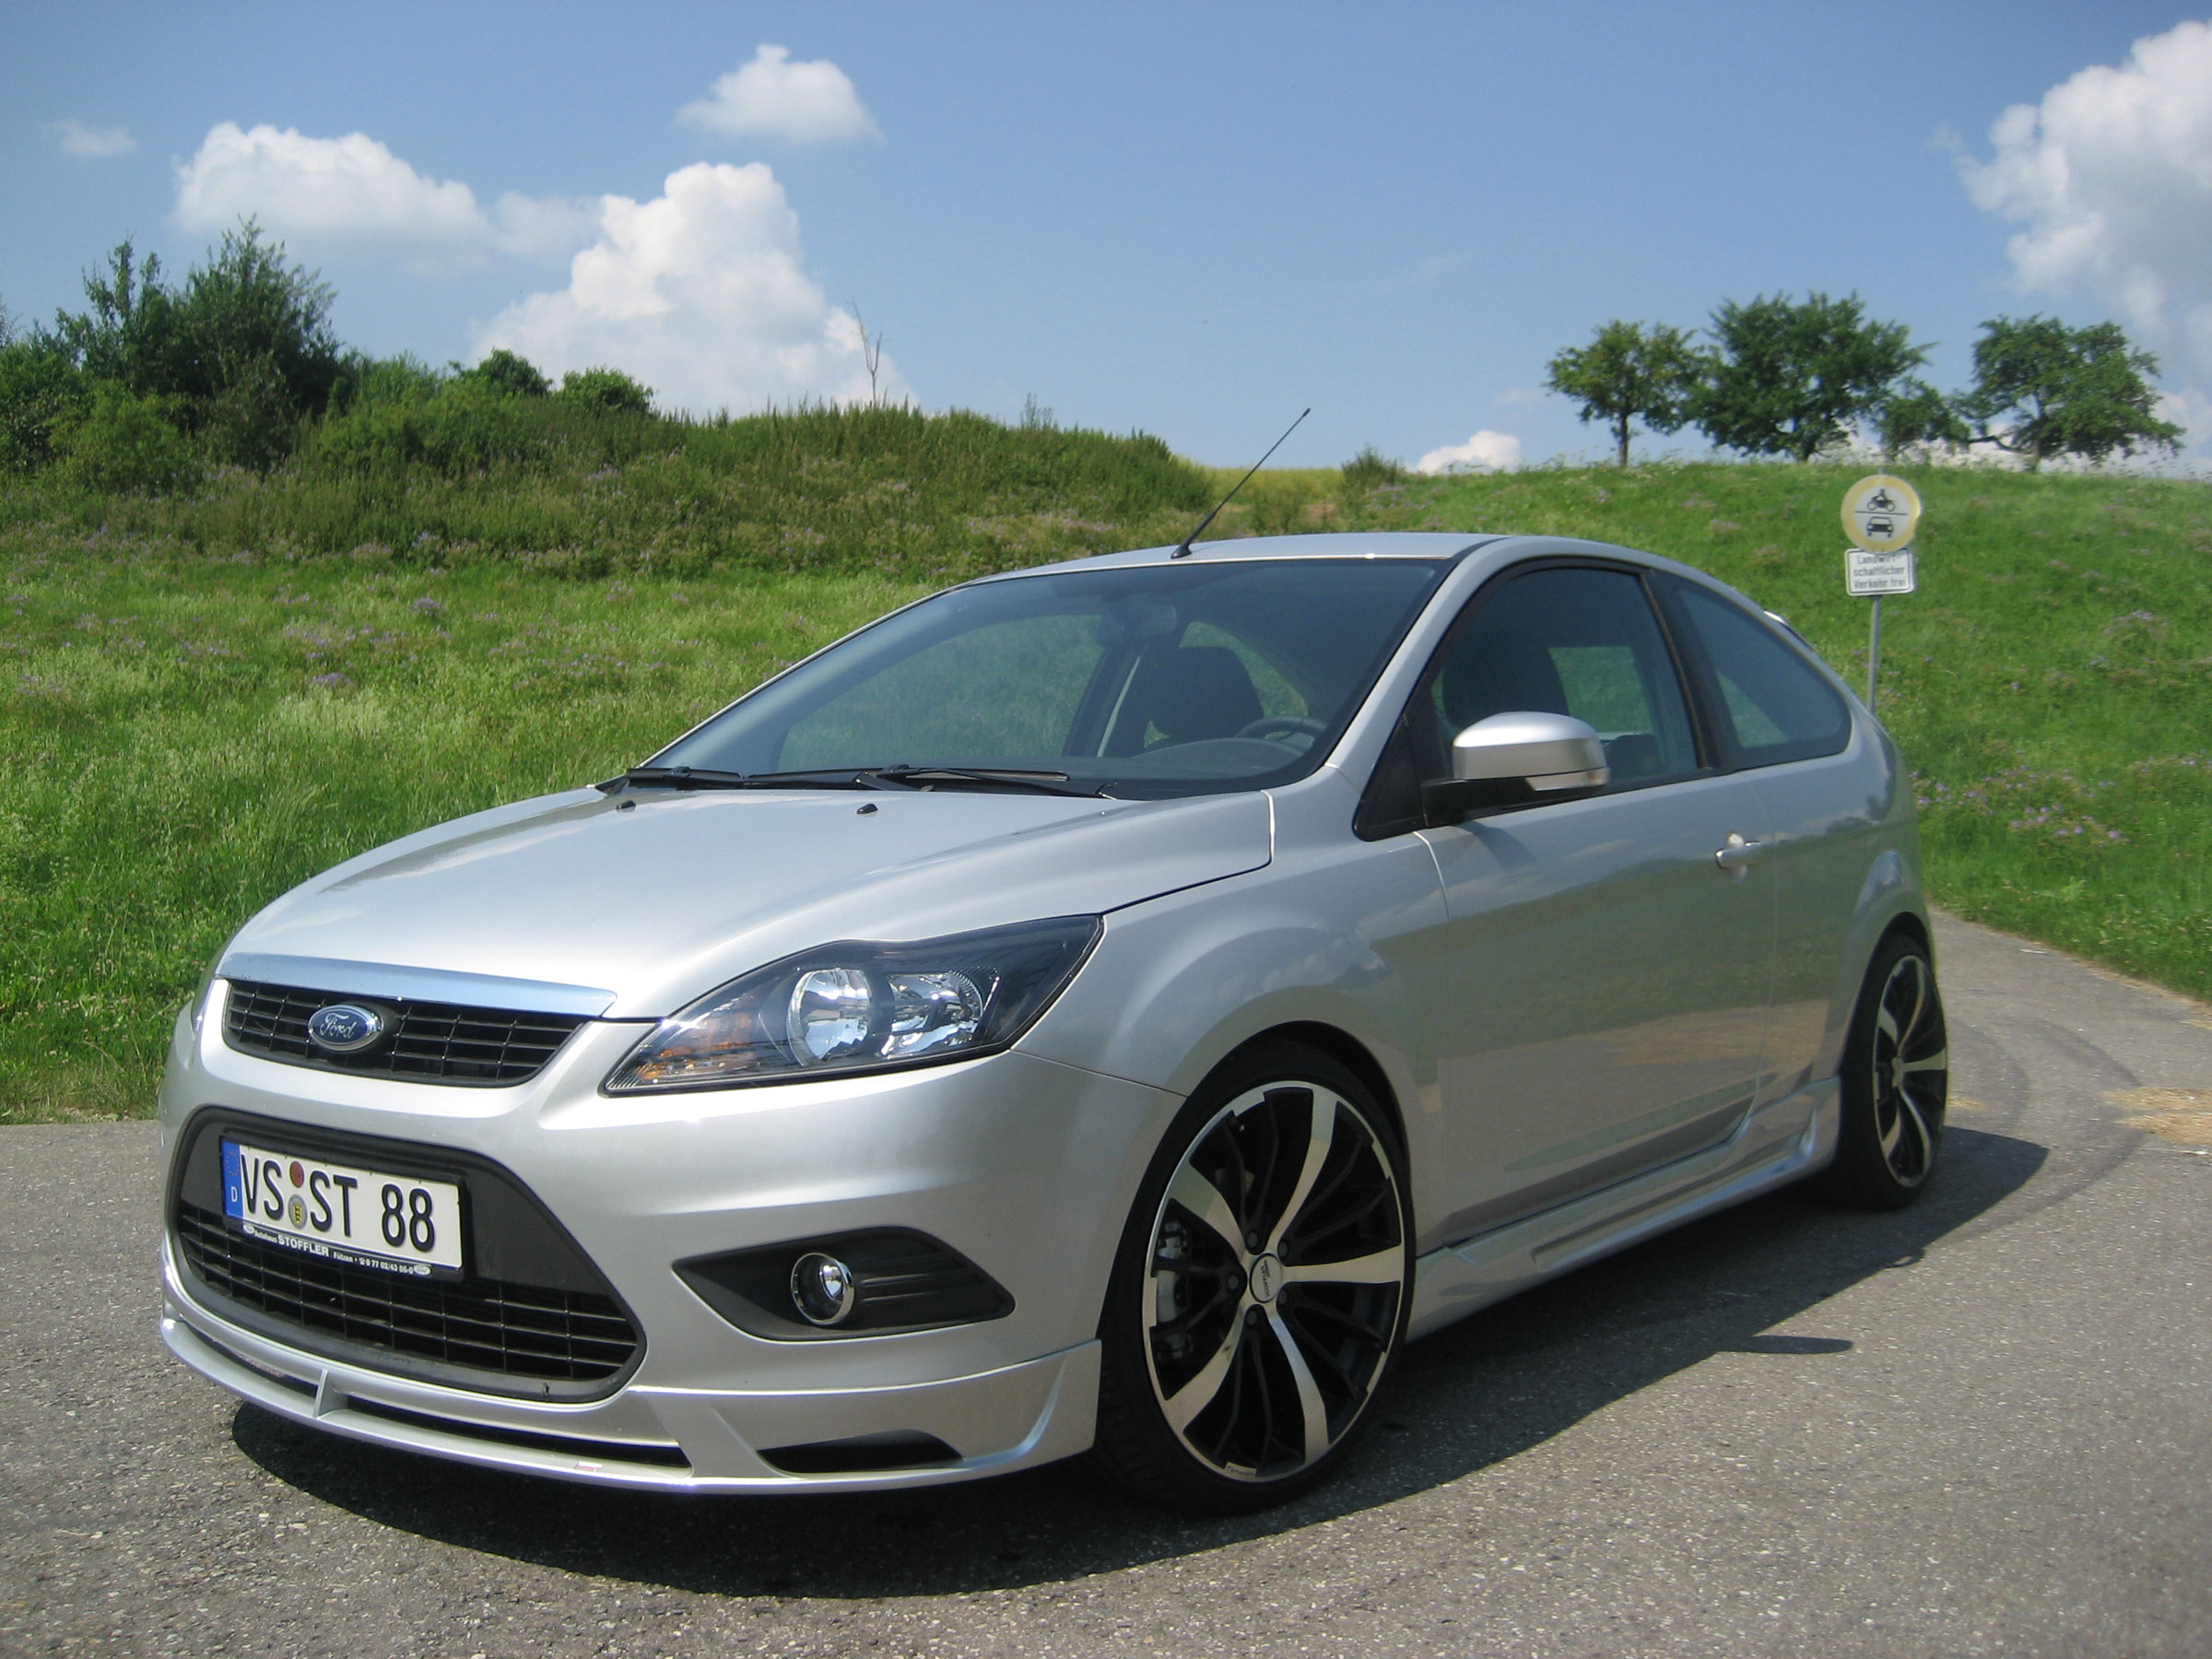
[
  {"x": 1896, "y": 1079},
  {"x": 1261, "y": 1288}
]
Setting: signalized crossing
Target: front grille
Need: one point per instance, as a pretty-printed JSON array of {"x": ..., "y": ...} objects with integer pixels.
[
  {"x": 435, "y": 1043},
  {"x": 525, "y": 1332}
]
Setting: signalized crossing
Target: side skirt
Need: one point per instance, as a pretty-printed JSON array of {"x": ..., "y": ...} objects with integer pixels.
[{"x": 1792, "y": 1137}]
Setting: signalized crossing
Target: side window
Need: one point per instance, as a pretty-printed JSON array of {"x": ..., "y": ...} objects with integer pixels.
[
  {"x": 1773, "y": 706},
  {"x": 1562, "y": 641}
]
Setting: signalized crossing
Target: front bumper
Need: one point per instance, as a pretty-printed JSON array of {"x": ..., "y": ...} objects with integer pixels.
[
  {"x": 1025, "y": 1166},
  {"x": 660, "y": 1439}
]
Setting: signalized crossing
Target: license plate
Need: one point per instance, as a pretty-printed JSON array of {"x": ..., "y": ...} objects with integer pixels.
[{"x": 362, "y": 1217}]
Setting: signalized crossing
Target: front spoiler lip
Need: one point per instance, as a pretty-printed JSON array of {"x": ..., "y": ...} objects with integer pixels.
[{"x": 1015, "y": 1417}]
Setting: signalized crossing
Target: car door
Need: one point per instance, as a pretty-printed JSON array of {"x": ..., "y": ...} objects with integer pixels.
[
  {"x": 1786, "y": 728},
  {"x": 1603, "y": 979}
]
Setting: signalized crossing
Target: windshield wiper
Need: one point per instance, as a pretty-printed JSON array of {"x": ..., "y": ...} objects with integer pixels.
[
  {"x": 929, "y": 777},
  {"x": 691, "y": 777}
]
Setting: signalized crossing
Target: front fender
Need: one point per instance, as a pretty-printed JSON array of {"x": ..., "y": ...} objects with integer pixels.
[{"x": 1179, "y": 982}]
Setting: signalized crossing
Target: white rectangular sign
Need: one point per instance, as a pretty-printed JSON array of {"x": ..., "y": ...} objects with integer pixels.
[
  {"x": 343, "y": 1214},
  {"x": 1865, "y": 574}
]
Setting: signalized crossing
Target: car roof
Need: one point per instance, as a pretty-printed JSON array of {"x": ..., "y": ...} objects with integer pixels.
[
  {"x": 1496, "y": 550},
  {"x": 1400, "y": 544}
]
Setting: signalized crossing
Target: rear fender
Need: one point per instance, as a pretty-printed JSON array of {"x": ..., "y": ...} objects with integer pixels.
[{"x": 1889, "y": 894}]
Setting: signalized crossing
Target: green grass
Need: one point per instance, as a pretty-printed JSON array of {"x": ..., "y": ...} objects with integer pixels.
[
  {"x": 183, "y": 741},
  {"x": 206, "y": 699}
]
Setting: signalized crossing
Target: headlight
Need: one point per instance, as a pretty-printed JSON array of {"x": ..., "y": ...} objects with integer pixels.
[{"x": 860, "y": 1006}]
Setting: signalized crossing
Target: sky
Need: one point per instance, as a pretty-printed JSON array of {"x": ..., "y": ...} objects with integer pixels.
[{"x": 1191, "y": 221}]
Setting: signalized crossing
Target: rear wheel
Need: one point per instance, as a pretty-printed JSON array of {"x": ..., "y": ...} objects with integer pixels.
[
  {"x": 1260, "y": 1290},
  {"x": 1896, "y": 1080}
]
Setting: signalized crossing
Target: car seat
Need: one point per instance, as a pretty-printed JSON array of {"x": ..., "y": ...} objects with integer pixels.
[{"x": 1186, "y": 694}]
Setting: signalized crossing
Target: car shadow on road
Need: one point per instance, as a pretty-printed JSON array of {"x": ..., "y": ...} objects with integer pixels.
[{"x": 1492, "y": 1386}]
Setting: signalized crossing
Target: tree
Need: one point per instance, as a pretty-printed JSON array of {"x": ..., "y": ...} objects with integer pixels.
[
  {"x": 1630, "y": 372},
  {"x": 2042, "y": 389},
  {"x": 128, "y": 335},
  {"x": 1915, "y": 412},
  {"x": 257, "y": 355},
  {"x": 246, "y": 344},
  {"x": 42, "y": 393},
  {"x": 509, "y": 375},
  {"x": 871, "y": 354},
  {"x": 1791, "y": 378}
]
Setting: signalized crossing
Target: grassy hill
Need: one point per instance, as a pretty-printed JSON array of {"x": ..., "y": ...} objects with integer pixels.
[{"x": 208, "y": 698}]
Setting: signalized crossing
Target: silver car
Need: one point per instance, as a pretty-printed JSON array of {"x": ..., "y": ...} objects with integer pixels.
[{"x": 1101, "y": 1009}]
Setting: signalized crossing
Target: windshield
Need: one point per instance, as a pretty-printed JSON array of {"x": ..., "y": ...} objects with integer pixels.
[{"x": 1151, "y": 680}]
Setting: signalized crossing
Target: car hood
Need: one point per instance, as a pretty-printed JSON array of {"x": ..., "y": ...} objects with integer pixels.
[{"x": 646, "y": 900}]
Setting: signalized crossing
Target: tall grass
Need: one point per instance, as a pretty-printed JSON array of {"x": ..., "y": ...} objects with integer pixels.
[{"x": 452, "y": 480}]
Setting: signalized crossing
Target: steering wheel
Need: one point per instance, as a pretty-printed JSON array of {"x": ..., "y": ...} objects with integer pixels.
[{"x": 1282, "y": 723}]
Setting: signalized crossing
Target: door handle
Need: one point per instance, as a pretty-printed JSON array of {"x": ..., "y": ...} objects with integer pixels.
[{"x": 1739, "y": 855}]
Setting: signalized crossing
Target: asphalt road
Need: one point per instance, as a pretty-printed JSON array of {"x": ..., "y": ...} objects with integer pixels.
[{"x": 1983, "y": 1426}]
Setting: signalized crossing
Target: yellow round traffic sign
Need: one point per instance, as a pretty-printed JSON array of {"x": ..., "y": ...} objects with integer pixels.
[{"x": 1880, "y": 513}]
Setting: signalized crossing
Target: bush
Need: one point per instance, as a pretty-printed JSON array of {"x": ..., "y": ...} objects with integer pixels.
[
  {"x": 41, "y": 392},
  {"x": 367, "y": 382},
  {"x": 608, "y": 391},
  {"x": 507, "y": 374},
  {"x": 130, "y": 444},
  {"x": 466, "y": 428},
  {"x": 243, "y": 350},
  {"x": 250, "y": 420},
  {"x": 1369, "y": 468}
]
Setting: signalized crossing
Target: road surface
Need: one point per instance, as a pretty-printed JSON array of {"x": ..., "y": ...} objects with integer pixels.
[{"x": 1983, "y": 1426}]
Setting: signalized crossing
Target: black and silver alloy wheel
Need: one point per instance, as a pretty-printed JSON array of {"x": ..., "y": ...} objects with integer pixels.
[
  {"x": 1896, "y": 1079},
  {"x": 1911, "y": 1067},
  {"x": 1265, "y": 1291}
]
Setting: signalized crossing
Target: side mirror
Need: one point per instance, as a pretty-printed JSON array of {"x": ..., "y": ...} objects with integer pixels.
[{"x": 1518, "y": 760}]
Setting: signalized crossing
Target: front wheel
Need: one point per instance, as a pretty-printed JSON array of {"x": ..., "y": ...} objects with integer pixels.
[
  {"x": 1896, "y": 1081},
  {"x": 1260, "y": 1290}
]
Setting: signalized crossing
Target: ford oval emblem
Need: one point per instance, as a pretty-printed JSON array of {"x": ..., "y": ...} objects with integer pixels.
[{"x": 344, "y": 1028}]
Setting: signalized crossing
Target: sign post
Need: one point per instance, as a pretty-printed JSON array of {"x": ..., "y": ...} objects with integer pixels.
[{"x": 1880, "y": 513}]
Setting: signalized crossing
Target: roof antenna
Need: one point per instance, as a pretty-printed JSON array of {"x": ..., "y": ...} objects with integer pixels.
[{"x": 1182, "y": 548}]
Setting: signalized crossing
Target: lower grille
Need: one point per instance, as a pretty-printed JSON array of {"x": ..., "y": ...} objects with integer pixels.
[
  {"x": 429, "y": 1042},
  {"x": 484, "y": 1326}
]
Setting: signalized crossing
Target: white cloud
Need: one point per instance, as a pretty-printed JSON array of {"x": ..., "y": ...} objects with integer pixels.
[
  {"x": 352, "y": 196},
  {"x": 773, "y": 97},
  {"x": 87, "y": 142},
  {"x": 1521, "y": 397},
  {"x": 2192, "y": 411},
  {"x": 1484, "y": 451},
  {"x": 701, "y": 294},
  {"x": 2111, "y": 177}
]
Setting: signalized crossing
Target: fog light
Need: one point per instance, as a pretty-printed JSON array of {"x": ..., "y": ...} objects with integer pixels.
[{"x": 821, "y": 1288}]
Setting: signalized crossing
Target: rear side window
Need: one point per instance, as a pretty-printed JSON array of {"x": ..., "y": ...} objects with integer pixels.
[{"x": 1775, "y": 707}]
